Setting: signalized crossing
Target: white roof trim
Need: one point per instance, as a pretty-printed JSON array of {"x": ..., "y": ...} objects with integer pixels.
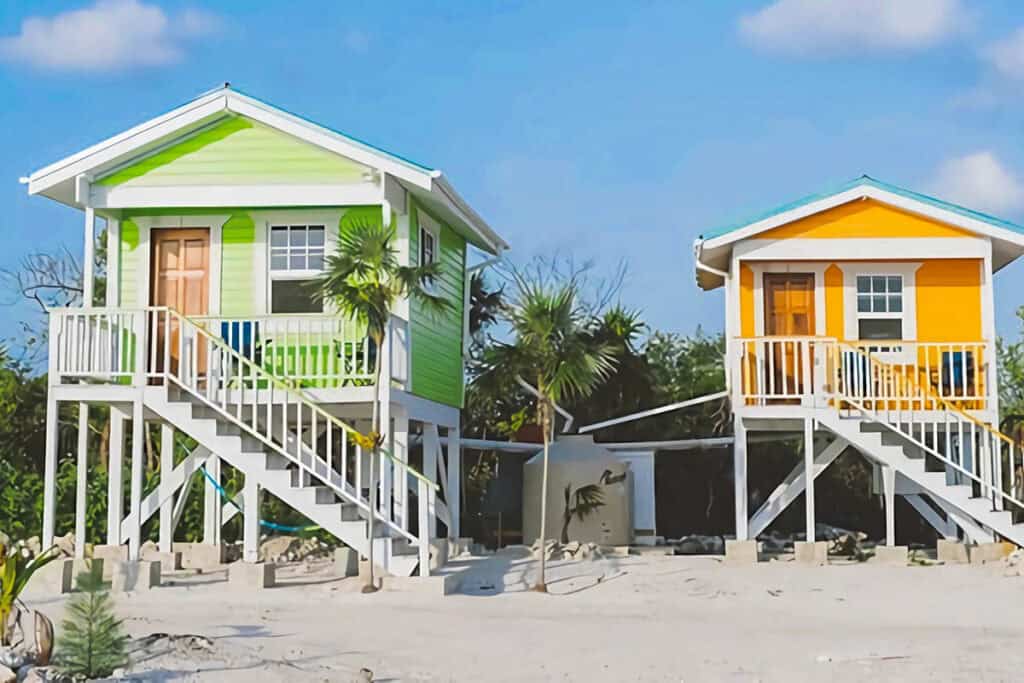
[{"x": 859, "y": 192}]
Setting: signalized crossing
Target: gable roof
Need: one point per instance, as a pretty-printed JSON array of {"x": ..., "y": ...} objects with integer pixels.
[
  {"x": 60, "y": 180},
  {"x": 713, "y": 248}
]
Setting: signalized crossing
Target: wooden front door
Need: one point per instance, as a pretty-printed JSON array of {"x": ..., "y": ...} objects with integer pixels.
[
  {"x": 179, "y": 279},
  {"x": 789, "y": 312}
]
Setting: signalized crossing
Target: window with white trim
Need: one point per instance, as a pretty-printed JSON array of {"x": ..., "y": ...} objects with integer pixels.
[
  {"x": 296, "y": 261},
  {"x": 428, "y": 251},
  {"x": 880, "y": 307}
]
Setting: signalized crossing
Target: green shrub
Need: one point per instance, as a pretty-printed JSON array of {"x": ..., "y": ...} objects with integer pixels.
[{"x": 93, "y": 642}]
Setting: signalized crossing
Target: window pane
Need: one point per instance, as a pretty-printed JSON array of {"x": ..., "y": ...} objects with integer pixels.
[
  {"x": 294, "y": 296},
  {"x": 863, "y": 304},
  {"x": 877, "y": 283},
  {"x": 878, "y": 303},
  {"x": 297, "y": 261},
  {"x": 880, "y": 329},
  {"x": 316, "y": 236},
  {"x": 279, "y": 236},
  {"x": 895, "y": 284},
  {"x": 863, "y": 284},
  {"x": 279, "y": 259},
  {"x": 297, "y": 236},
  {"x": 316, "y": 259},
  {"x": 895, "y": 303}
]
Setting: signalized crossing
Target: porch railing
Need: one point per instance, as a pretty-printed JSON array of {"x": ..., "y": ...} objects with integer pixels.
[
  {"x": 879, "y": 374},
  {"x": 313, "y": 351}
]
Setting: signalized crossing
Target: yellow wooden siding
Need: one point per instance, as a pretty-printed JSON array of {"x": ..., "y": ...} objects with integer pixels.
[
  {"x": 863, "y": 218},
  {"x": 834, "y": 311},
  {"x": 746, "y": 301},
  {"x": 949, "y": 300}
]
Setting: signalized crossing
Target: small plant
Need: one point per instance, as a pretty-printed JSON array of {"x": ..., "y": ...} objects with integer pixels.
[
  {"x": 93, "y": 642},
  {"x": 16, "y": 568}
]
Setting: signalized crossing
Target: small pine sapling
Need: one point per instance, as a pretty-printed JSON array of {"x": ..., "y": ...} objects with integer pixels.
[{"x": 93, "y": 642}]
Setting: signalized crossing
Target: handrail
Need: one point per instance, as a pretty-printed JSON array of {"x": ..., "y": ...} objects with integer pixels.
[{"x": 281, "y": 384}]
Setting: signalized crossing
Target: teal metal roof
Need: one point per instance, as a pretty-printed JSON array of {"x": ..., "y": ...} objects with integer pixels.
[{"x": 872, "y": 182}]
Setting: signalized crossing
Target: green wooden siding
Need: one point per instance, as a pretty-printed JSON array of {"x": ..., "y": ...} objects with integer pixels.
[
  {"x": 238, "y": 151},
  {"x": 238, "y": 257},
  {"x": 436, "y": 338},
  {"x": 128, "y": 258}
]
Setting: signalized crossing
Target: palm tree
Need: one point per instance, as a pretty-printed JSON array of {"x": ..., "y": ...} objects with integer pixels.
[
  {"x": 554, "y": 350},
  {"x": 363, "y": 280}
]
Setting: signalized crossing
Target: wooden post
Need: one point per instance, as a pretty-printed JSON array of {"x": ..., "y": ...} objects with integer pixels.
[
  {"x": 137, "y": 469},
  {"x": 50, "y": 472},
  {"x": 889, "y": 489},
  {"x": 740, "y": 478},
  {"x": 81, "y": 477},
  {"x": 809, "y": 475},
  {"x": 454, "y": 481},
  {"x": 251, "y": 520},
  {"x": 166, "y": 491},
  {"x": 88, "y": 257},
  {"x": 115, "y": 473},
  {"x": 400, "y": 444}
]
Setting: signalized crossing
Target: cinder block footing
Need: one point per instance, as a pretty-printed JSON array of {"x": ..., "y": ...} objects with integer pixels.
[
  {"x": 951, "y": 552},
  {"x": 984, "y": 553},
  {"x": 133, "y": 577},
  {"x": 110, "y": 554},
  {"x": 346, "y": 562},
  {"x": 95, "y": 566},
  {"x": 252, "y": 575},
  {"x": 459, "y": 546},
  {"x": 169, "y": 562},
  {"x": 891, "y": 555},
  {"x": 811, "y": 554},
  {"x": 57, "y": 577},
  {"x": 444, "y": 584},
  {"x": 199, "y": 555},
  {"x": 741, "y": 553},
  {"x": 438, "y": 553}
]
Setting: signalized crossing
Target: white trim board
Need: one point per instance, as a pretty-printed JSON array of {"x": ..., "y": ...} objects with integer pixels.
[
  {"x": 191, "y": 196},
  {"x": 906, "y": 270},
  {"x": 864, "y": 249}
]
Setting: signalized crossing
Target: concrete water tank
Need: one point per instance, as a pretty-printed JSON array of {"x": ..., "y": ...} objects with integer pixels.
[{"x": 576, "y": 461}]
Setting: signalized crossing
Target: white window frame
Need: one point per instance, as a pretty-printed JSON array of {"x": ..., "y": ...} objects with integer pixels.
[
  {"x": 428, "y": 226},
  {"x": 908, "y": 317},
  {"x": 289, "y": 274}
]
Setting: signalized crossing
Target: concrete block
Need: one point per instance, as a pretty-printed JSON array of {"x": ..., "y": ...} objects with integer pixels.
[
  {"x": 252, "y": 576},
  {"x": 741, "y": 553},
  {"x": 984, "y": 553},
  {"x": 110, "y": 554},
  {"x": 94, "y": 566},
  {"x": 812, "y": 554},
  {"x": 346, "y": 562},
  {"x": 58, "y": 577},
  {"x": 891, "y": 555},
  {"x": 438, "y": 553},
  {"x": 438, "y": 585},
  {"x": 133, "y": 577},
  {"x": 169, "y": 562},
  {"x": 951, "y": 552},
  {"x": 364, "y": 568},
  {"x": 199, "y": 555},
  {"x": 459, "y": 546}
]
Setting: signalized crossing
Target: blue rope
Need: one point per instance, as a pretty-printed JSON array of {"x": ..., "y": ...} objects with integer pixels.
[{"x": 268, "y": 525}]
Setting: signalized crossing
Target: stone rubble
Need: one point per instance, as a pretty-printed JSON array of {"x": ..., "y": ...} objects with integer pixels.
[{"x": 574, "y": 550}]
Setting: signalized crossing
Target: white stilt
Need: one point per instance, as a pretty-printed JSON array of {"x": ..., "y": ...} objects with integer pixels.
[
  {"x": 212, "y": 504},
  {"x": 454, "y": 480},
  {"x": 81, "y": 479},
  {"x": 889, "y": 489},
  {"x": 50, "y": 473},
  {"x": 431, "y": 451},
  {"x": 166, "y": 488},
  {"x": 138, "y": 466},
  {"x": 739, "y": 459},
  {"x": 386, "y": 475},
  {"x": 809, "y": 476},
  {"x": 251, "y": 521},
  {"x": 115, "y": 474},
  {"x": 87, "y": 258},
  {"x": 400, "y": 443}
]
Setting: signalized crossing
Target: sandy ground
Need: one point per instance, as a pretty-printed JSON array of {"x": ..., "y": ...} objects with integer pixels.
[{"x": 649, "y": 618}]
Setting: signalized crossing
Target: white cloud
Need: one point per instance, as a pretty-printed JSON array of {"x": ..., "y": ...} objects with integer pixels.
[
  {"x": 1007, "y": 55},
  {"x": 979, "y": 181},
  {"x": 814, "y": 27},
  {"x": 108, "y": 36}
]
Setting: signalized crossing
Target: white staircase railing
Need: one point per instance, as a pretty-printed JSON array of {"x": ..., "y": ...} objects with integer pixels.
[
  {"x": 899, "y": 401},
  {"x": 160, "y": 346}
]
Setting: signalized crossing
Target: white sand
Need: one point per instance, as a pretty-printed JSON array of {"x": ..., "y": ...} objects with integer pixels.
[{"x": 649, "y": 619}]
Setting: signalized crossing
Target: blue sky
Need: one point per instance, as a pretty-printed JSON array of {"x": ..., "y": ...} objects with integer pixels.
[{"x": 604, "y": 130}]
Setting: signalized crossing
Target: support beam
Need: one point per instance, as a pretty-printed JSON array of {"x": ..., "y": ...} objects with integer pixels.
[
  {"x": 212, "y": 504},
  {"x": 889, "y": 491},
  {"x": 809, "y": 476},
  {"x": 81, "y": 479},
  {"x": 50, "y": 472},
  {"x": 431, "y": 451},
  {"x": 115, "y": 477},
  {"x": 739, "y": 464},
  {"x": 166, "y": 490},
  {"x": 454, "y": 493},
  {"x": 179, "y": 476},
  {"x": 974, "y": 531},
  {"x": 400, "y": 449},
  {"x": 251, "y": 521},
  {"x": 138, "y": 466},
  {"x": 945, "y": 527},
  {"x": 792, "y": 486},
  {"x": 386, "y": 469},
  {"x": 88, "y": 279}
]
